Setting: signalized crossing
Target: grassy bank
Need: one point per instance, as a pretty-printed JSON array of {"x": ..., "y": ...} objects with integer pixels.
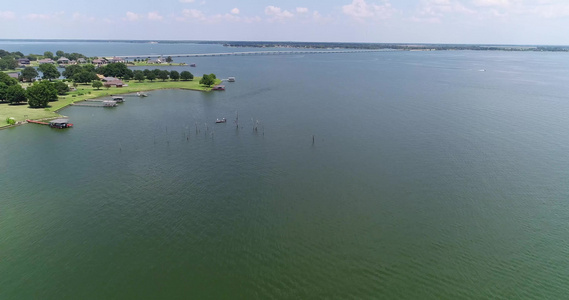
[{"x": 23, "y": 112}]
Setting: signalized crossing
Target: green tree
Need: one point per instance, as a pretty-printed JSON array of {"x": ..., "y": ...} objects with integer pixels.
[
  {"x": 5, "y": 78},
  {"x": 40, "y": 93},
  {"x": 113, "y": 70},
  {"x": 49, "y": 71},
  {"x": 207, "y": 80},
  {"x": 84, "y": 76},
  {"x": 29, "y": 73},
  {"x": 139, "y": 75},
  {"x": 62, "y": 87},
  {"x": 71, "y": 70},
  {"x": 3, "y": 89},
  {"x": 186, "y": 75},
  {"x": 59, "y": 53},
  {"x": 48, "y": 54},
  {"x": 88, "y": 68},
  {"x": 97, "y": 84},
  {"x": 169, "y": 59},
  {"x": 8, "y": 63},
  {"x": 151, "y": 76},
  {"x": 146, "y": 72},
  {"x": 164, "y": 75},
  {"x": 174, "y": 75},
  {"x": 15, "y": 94}
]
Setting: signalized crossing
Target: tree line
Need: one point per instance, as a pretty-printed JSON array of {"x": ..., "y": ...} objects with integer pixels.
[{"x": 38, "y": 95}]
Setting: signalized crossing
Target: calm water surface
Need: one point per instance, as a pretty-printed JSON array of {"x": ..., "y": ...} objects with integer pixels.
[{"x": 428, "y": 179}]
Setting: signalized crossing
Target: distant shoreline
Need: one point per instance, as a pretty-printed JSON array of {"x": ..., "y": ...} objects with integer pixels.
[{"x": 328, "y": 45}]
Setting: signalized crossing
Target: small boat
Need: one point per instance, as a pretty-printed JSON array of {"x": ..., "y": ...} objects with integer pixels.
[
  {"x": 139, "y": 94},
  {"x": 193, "y": 65},
  {"x": 221, "y": 121},
  {"x": 231, "y": 79},
  {"x": 218, "y": 88}
]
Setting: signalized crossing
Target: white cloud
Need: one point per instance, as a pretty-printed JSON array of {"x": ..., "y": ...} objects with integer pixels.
[
  {"x": 301, "y": 10},
  {"x": 277, "y": 12},
  {"x": 432, "y": 11},
  {"x": 235, "y": 11},
  {"x": 193, "y": 14},
  {"x": 81, "y": 17},
  {"x": 7, "y": 15},
  {"x": 549, "y": 10},
  {"x": 360, "y": 9},
  {"x": 154, "y": 16},
  {"x": 130, "y": 16},
  {"x": 44, "y": 17},
  {"x": 492, "y": 2}
]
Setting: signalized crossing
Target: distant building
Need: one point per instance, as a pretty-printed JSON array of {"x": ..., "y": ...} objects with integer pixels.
[
  {"x": 23, "y": 61},
  {"x": 45, "y": 61},
  {"x": 109, "y": 79},
  {"x": 117, "y": 60},
  {"x": 155, "y": 61},
  {"x": 116, "y": 83},
  {"x": 99, "y": 61},
  {"x": 81, "y": 60},
  {"x": 63, "y": 61}
]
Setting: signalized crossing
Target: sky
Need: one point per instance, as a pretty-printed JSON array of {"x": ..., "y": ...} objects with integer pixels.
[{"x": 522, "y": 22}]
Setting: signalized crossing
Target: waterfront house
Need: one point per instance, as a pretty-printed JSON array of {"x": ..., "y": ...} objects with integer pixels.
[
  {"x": 108, "y": 78},
  {"x": 117, "y": 60},
  {"x": 45, "y": 61},
  {"x": 99, "y": 61},
  {"x": 116, "y": 83},
  {"x": 63, "y": 61},
  {"x": 81, "y": 60},
  {"x": 23, "y": 61}
]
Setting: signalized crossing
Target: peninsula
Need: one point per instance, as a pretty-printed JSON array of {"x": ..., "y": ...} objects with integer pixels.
[{"x": 26, "y": 96}]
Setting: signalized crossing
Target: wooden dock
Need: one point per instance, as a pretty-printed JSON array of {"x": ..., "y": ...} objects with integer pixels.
[
  {"x": 37, "y": 122},
  {"x": 87, "y": 104}
]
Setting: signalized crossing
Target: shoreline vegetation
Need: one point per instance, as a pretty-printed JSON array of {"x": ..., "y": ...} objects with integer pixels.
[
  {"x": 21, "y": 112},
  {"x": 26, "y": 96}
]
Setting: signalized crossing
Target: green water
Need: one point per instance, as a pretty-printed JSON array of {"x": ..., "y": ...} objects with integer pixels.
[{"x": 427, "y": 179}]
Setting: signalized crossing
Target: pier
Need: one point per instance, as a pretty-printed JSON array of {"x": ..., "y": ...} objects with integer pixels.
[
  {"x": 251, "y": 53},
  {"x": 37, "y": 122}
]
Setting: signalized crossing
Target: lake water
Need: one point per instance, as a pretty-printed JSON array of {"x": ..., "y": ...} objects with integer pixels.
[{"x": 433, "y": 175}]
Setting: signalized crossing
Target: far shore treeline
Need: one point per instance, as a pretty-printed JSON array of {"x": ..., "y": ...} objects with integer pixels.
[{"x": 28, "y": 88}]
